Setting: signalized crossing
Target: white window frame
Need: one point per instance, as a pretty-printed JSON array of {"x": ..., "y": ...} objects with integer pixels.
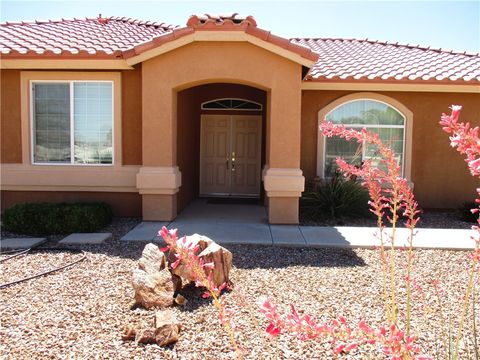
[
  {"x": 360, "y": 126},
  {"x": 202, "y": 106},
  {"x": 396, "y": 105},
  {"x": 72, "y": 122}
]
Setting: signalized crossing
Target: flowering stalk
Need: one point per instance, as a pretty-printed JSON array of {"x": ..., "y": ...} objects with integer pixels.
[
  {"x": 344, "y": 338},
  {"x": 372, "y": 180},
  {"x": 388, "y": 191},
  {"x": 186, "y": 253},
  {"x": 410, "y": 211},
  {"x": 465, "y": 139}
]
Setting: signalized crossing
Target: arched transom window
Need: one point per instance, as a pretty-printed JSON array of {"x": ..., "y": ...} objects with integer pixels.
[
  {"x": 377, "y": 117},
  {"x": 232, "y": 104}
]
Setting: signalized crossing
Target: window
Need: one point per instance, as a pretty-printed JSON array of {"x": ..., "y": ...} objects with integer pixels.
[
  {"x": 377, "y": 117},
  {"x": 231, "y": 104},
  {"x": 72, "y": 122}
]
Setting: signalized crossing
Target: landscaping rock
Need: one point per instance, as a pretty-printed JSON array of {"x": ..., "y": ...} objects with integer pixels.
[
  {"x": 152, "y": 259},
  {"x": 209, "y": 251},
  {"x": 180, "y": 300},
  {"x": 129, "y": 333},
  {"x": 145, "y": 336},
  {"x": 222, "y": 260},
  {"x": 153, "y": 290},
  {"x": 167, "y": 328},
  {"x": 154, "y": 285},
  {"x": 177, "y": 283}
]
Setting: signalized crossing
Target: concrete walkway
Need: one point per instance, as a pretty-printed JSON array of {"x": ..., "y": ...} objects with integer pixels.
[
  {"x": 20, "y": 243},
  {"x": 247, "y": 224}
]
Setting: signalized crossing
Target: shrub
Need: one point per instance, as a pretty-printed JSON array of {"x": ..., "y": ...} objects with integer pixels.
[
  {"x": 335, "y": 199},
  {"x": 47, "y": 218},
  {"x": 465, "y": 212}
]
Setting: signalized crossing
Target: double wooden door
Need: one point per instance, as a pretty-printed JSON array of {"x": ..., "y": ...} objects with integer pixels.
[{"x": 230, "y": 155}]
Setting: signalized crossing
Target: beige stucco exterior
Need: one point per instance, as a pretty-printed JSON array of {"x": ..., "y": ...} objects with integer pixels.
[
  {"x": 439, "y": 174},
  {"x": 156, "y": 127},
  {"x": 240, "y": 63}
]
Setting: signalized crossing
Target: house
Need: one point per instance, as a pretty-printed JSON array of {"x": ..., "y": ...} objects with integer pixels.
[{"x": 148, "y": 116}]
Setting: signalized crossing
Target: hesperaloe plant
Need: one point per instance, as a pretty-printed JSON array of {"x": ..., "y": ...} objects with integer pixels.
[{"x": 465, "y": 139}]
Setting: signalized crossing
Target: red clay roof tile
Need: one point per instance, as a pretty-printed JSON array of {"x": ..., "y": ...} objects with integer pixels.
[
  {"x": 72, "y": 37},
  {"x": 357, "y": 60},
  {"x": 336, "y": 59}
]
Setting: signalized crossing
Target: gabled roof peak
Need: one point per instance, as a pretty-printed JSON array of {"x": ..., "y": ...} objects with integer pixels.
[{"x": 210, "y": 21}]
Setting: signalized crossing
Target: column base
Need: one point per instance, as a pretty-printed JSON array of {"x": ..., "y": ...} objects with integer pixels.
[
  {"x": 283, "y": 188},
  {"x": 283, "y": 210},
  {"x": 159, "y": 186},
  {"x": 159, "y": 207}
]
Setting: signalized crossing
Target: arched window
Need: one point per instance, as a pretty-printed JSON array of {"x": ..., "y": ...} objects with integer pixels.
[
  {"x": 377, "y": 117},
  {"x": 232, "y": 104}
]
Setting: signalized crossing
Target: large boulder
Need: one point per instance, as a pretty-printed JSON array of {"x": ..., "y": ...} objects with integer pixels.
[
  {"x": 152, "y": 259},
  {"x": 209, "y": 252},
  {"x": 153, "y": 290},
  {"x": 152, "y": 281}
]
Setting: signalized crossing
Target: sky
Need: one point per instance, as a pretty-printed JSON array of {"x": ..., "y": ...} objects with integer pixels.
[{"x": 450, "y": 25}]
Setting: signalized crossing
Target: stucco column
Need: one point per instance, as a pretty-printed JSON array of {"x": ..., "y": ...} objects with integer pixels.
[
  {"x": 283, "y": 179},
  {"x": 159, "y": 179}
]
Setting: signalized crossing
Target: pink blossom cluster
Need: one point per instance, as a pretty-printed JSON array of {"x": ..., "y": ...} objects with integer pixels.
[
  {"x": 187, "y": 253},
  {"x": 465, "y": 139},
  {"x": 388, "y": 190},
  {"x": 344, "y": 338},
  {"x": 467, "y": 142}
]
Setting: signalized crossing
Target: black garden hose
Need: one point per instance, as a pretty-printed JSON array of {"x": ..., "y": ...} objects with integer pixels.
[
  {"x": 84, "y": 256},
  {"x": 17, "y": 253}
]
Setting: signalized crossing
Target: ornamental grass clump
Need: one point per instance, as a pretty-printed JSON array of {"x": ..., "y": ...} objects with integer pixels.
[{"x": 334, "y": 199}]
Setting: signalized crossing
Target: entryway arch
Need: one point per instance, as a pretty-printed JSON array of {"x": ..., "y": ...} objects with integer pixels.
[
  {"x": 224, "y": 172},
  {"x": 160, "y": 180}
]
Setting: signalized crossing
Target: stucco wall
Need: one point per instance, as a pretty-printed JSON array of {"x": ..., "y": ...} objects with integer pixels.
[
  {"x": 439, "y": 173},
  {"x": 188, "y": 129},
  {"x": 14, "y": 118},
  {"x": 229, "y": 62},
  {"x": 11, "y": 126},
  {"x": 132, "y": 116},
  {"x": 188, "y": 146}
]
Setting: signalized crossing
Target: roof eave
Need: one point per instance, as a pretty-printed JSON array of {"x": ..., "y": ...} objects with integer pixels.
[
  {"x": 41, "y": 62},
  {"x": 459, "y": 86},
  {"x": 186, "y": 35}
]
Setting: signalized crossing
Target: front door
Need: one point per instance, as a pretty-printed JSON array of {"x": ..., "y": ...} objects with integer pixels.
[{"x": 230, "y": 155}]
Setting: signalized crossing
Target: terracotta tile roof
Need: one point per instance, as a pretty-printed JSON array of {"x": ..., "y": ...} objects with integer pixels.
[
  {"x": 99, "y": 36},
  {"x": 367, "y": 60},
  {"x": 336, "y": 59}
]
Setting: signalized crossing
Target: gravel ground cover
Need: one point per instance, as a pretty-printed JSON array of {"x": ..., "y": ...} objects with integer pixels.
[
  {"x": 438, "y": 219},
  {"x": 80, "y": 312}
]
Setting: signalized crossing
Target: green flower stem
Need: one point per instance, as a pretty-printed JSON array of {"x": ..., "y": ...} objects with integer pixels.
[{"x": 466, "y": 302}]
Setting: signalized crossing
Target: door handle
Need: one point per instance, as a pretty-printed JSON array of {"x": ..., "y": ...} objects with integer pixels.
[
  {"x": 233, "y": 161},
  {"x": 228, "y": 157}
]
